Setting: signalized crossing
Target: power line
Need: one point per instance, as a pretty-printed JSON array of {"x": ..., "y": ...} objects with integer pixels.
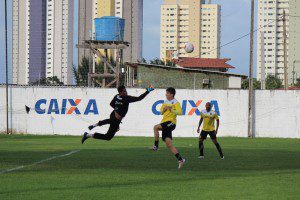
[{"x": 241, "y": 37}]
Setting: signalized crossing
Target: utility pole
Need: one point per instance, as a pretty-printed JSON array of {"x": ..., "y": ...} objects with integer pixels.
[
  {"x": 6, "y": 65},
  {"x": 262, "y": 65},
  {"x": 286, "y": 84},
  {"x": 250, "y": 96}
]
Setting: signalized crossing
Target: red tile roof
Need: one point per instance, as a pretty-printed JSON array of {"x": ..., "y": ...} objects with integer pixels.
[{"x": 203, "y": 63}]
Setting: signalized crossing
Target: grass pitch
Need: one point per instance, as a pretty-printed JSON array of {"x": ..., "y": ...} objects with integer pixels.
[{"x": 125, "y": 168}]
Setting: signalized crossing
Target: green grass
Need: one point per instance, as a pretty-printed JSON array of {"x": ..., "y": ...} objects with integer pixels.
[{"x": 125, "y": 168}]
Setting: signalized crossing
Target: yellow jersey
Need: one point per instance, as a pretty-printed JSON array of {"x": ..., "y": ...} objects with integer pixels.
[
  {"x": 171, "y": 115},
  {"x": 209, "y": 120}
]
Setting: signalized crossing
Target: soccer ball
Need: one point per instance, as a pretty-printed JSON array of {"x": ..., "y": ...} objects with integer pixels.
[{"x": 189, "y": 47}]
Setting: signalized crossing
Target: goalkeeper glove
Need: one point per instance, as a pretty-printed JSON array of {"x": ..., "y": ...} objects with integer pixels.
[{"x": 150, "y": 88}]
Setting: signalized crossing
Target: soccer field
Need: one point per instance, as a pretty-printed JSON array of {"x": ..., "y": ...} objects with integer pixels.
[{"x": 50, "y": 167}]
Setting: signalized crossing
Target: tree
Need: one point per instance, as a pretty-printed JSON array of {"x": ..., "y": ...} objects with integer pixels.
[
  {"x": 158, "y": 61},
  {"x": 81, "y": 73},
  {"x": 297, "y": 82},
  {"x": 49, "y": 81},
  {"x": 142, "y": 61},
  {"x": 273, "y": 82},
  {"x": 256, "y": 84}
]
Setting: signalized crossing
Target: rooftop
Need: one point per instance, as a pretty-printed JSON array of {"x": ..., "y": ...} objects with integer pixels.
[
  {"x": 204, "y": 63},
  {"x": 185, "y": 69}
]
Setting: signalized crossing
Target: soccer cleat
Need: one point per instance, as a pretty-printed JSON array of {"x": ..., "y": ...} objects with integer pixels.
[
  {"x": 223, "y": 157},
  {"x": 91, "y": 127},
  {"x": 154, "y": 148},
  {"x": 84, "y": 137},
  {"x": 181, "y": 163},
  {"x": 201, "y": 157}
]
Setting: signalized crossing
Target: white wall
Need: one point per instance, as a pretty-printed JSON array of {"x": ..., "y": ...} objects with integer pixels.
[
  {"x": 277, "y": 113},
  {"x": 235, "y": 82}
]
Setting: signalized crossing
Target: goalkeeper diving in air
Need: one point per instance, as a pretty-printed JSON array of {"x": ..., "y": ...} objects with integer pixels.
[{"x": 120, "y": 104}]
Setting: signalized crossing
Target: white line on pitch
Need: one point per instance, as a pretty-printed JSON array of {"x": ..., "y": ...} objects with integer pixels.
[{"x": 38, "y": 162}]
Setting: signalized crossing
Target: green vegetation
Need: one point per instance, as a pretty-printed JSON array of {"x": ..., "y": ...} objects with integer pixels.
[{"x": 125, "y": 168}]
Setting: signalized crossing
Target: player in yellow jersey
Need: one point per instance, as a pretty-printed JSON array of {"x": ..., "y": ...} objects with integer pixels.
[
  {"x": 170, "y": 109},
  {"x": 208, "y": 117}
]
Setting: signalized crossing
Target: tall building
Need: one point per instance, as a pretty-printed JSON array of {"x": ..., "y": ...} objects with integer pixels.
[
  {"x": 59, "y": 53},
  {"x": 42, "y": 40},
  {"x": 133, "y": 15},
  {"x": 294, "y": 39},
  {"x": 184, "y": 21},
  {"x": 130, "y": 10},
  {"x": 270, "y": 40},
  {"x": 28, "y": 41},
  {"x": 85, "y": 25},
  {"x": 210, "y": 30}
]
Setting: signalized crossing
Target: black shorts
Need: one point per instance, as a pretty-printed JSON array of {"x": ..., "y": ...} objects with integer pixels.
[
  {"x": 212, "y": 134},
  {"x": 167, "y": 128}
]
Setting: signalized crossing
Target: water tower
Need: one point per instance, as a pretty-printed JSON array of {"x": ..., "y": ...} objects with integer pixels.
[{"x": 108, "y": 36}]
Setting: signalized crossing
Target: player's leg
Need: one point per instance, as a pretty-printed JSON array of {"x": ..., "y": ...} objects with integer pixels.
[
  {"x": 167, "y": 129},
  {"x": 214, "y": 140},
  {"x": 100, "y": 123},
  {"x": 156, "y": 130},
  {"x": 169, "y": 144},
  {"x": 203, "y": 136},
  {"x": 113, "y": 128}
]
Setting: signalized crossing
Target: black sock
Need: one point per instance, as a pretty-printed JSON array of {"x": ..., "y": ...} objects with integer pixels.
[
  {"x": 201, "y": 148},
  {"x": 156, "y": 143},
  {"x": 178, "y": 156},
  {"x": 219, "y": 149}
]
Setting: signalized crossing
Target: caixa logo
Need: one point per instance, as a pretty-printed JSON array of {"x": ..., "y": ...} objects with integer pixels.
[
  {"x": 192, "y": 105},
  {"x": 65, "y": 107}
]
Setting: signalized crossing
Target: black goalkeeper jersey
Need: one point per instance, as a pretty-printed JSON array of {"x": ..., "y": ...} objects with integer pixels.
[{"x": 121, "y": 104}]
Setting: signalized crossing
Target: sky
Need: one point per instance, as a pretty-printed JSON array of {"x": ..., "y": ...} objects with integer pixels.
[{"x": 235, "y": 22}]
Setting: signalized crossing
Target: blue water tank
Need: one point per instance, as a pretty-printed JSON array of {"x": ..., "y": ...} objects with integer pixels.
[{"x": 109, "y": 28}]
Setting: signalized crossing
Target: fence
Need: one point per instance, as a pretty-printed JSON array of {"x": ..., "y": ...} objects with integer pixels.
[{"x": 69, "y": 111}]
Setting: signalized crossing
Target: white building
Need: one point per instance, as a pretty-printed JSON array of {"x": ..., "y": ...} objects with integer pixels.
[
  {"x": 59, "y": 53},
  {"x": 270, "y": 41},
  {"x": 42, "y": 40},
  {"x": 210, "y": 30}
]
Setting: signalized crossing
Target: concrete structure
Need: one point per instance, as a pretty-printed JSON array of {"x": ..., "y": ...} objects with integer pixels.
[
  {"x": 133, "y": 15},
  {"x": 271, "y": 110},
  {"x": 184, "y": 78},
  {"x": 85, "y": 25},
  {"x": 270, "y": 15},
  {"x": 210, "y": 30},
  {"x": 191, "y": 21},
  {"x": 105, "y": 8},
  {"x": 42, "y": 40},
  {"x": 28, "y": 41},
  {"x": 294, "y": 42},
  {"x": 119, "y": 8}
]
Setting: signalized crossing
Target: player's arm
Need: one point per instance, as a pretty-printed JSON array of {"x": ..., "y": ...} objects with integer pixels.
[
  {"x": 176, "y": 109},
  {"x": 132, "y": 99},
  {"x": 200, "y": 122},
  {"x": 218, "y": 123},
  {"x": 113, "y": 102},
  {"x": 163, "y": 109}
]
